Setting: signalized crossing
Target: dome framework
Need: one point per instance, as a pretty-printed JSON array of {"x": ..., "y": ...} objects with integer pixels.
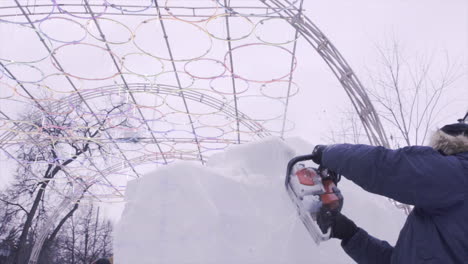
[
  {"x": 101, "y": 89},
  {"x": 182, "y": 79}
]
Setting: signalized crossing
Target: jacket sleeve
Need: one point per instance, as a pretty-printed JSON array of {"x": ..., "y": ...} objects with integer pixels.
[
  {"x": 365, "y": 249},
  {"x": 416, "y": 175}
]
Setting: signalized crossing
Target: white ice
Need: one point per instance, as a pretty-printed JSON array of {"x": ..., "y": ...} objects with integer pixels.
[{"x": 235, "y": 210}]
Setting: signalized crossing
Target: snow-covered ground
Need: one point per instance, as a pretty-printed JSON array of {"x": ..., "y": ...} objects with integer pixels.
[{"x": 235, "y": 210}]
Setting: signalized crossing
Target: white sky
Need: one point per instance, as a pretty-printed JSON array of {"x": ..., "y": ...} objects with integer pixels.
[{"x": 355, "y": 27}]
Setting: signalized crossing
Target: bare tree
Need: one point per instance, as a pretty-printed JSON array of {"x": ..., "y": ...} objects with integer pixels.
[
  {"x": 58, "y": 141},
  {"x": 88, "y": 237},
  {"x": 350, "y": 131},
  {"x": 407, "y": 90}
]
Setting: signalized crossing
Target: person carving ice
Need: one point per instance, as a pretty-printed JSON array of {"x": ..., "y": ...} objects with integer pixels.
[{"x": 434, "y": 179}]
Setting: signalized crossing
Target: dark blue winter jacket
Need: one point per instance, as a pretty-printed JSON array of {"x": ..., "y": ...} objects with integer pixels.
[{"x": 436, "y": 231}]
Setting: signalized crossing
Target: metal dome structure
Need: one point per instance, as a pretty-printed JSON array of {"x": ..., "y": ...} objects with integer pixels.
[
  {"x": 94, "y": 89},
  {"x": 176, "y": 73}
]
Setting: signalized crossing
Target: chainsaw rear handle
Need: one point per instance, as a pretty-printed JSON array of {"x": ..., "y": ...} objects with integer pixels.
[{"x": 332, "y": 198}]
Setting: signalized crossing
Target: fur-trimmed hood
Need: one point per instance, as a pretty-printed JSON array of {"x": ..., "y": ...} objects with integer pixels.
[{"x": 448, "y": 144}]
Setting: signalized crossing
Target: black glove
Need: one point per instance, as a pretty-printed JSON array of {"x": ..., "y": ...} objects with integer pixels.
[
  {"x": 317, "y": 154},
  {"x": 341, "y": 227}
]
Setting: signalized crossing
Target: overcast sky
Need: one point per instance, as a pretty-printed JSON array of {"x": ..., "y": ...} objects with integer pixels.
[{"x": 356, "y": 27}]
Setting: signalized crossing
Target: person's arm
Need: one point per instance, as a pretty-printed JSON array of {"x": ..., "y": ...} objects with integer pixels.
[
  {"x": 359, "y": 245},
  {"x": 418, "y": 176},
  {"x": 366, "y": 249}
]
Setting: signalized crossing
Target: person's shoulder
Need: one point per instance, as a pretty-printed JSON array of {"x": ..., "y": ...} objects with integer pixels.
[
  {"x": 463, "y": 157},
  {"x": 462, "y": 154},
  {"x": 419, "y": 150}
]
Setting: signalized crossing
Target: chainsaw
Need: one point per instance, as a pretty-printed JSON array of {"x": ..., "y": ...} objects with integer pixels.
[{"x": 315, "y": 193}]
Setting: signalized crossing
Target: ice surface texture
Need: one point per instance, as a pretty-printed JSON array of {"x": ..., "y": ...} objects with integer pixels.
[{"x": 235, "y": 210}]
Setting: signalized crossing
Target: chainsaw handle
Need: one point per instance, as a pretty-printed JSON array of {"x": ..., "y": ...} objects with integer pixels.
[
  {"x": 332, "y": 198},
  {"x": 327, "y": 174}
]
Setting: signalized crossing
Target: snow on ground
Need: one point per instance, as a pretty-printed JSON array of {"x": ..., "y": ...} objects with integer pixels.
[{"x": 235, "y": 210}]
